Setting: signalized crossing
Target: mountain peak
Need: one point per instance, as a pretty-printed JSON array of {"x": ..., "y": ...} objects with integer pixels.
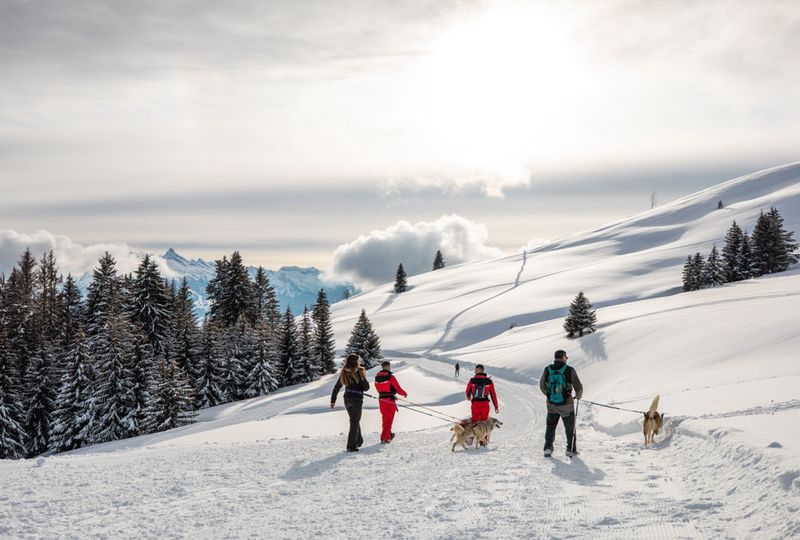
[{"x": 172, "y": 254}]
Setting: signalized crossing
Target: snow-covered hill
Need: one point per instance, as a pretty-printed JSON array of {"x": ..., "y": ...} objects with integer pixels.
[
  {"x": 295, "y": 287},
  {"x": 724, "y": 360}
]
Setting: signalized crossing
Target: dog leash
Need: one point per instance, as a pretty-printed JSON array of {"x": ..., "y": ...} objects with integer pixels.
[
  {"x": 403, "y": 406},
  {"x": 429, "y": 409},
  {"x": 612, "y": 406}
]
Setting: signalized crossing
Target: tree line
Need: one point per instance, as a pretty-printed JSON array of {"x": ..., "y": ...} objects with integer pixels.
[
  {"x": 131, "y": 358},
  {"x": 769, "y": 249}
]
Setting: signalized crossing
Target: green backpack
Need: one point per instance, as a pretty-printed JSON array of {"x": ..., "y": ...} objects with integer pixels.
[{"x": 557, "y": 385}]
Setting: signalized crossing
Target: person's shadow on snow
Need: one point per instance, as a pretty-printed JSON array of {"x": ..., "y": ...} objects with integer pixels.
[
  {"x": 577, "y": 471},
  {"x": 308, "y": 469}
]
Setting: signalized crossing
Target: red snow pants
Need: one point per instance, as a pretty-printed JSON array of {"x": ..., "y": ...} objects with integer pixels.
[
  {"x": 388, "y": 409},
  {"x": 480, "y": 411}
]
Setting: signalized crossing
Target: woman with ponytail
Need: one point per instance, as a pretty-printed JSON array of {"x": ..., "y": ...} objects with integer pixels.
[{"x": 354, "y": 379}]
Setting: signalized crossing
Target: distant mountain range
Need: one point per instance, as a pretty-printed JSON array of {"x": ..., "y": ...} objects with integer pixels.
[{"x": 294, "y": 286}]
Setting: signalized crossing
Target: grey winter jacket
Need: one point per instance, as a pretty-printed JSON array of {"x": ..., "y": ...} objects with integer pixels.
[{"x": 573, "y": 383}]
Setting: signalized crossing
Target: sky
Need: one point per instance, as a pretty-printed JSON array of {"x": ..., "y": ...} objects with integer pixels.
[{"x": 301, "y": 132}]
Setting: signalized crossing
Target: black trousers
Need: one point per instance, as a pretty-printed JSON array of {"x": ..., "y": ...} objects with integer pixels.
[
  {"x": 569, "y": 428},
  {"x": 354, "y": 439}
]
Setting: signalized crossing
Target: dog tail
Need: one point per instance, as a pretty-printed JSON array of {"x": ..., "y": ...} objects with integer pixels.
[
  {"x": 653, "y": 406},
  {"x": 457, "y": 428}
]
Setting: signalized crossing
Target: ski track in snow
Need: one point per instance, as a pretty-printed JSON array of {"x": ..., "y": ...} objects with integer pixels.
[{"x": 413, "y": 488}]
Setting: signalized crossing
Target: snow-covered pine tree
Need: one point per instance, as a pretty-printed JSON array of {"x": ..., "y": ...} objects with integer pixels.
[
  {"x": 698, "y": 265},
  {"x": 745, "y": 262},
  {"x": 46, "y": 298},
  {"x": 581, "y": 318},
  {"x": 324, "y": 346},
  {"x": 400, "y": 280},
  {"x": 785, "y": 256},
  {"x": 184, "y": 329},
  {"x": 291, "y": 370},
  {"x": 262, "y": 378},
  {"x": 209, "y": 375},
  {"x": 143, "y": 360},
  {"x": 731, "y": 253},
  {"x": 22, "y": 334},
  {"x": 71, "y": 426},
  {"x": 71, "y": 311},
  {"x": 714, "y": 271},
  {"x": 172, "y": 399},
  {"x": 103, "y": 300},
  {"x": 151, "y": 304},
  {"x": 40, "y": 402},
  {"x": 438, "y": 260},
  {"x": 115, "y": 387},
  {"x": 306, "y": 360},
  {"x": 260, "y": 296},
  {"x": 689, "y": 282},
  {"x": 773, "y": 246},
  {"x": 215, "y": 291},
  {"x": 364, "y": 342},
  {"x": 12, "y": 430}
]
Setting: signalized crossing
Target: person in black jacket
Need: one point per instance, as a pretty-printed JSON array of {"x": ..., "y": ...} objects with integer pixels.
[
  {"x": 354, "y": 379},
  {"x": 557, "y": 383}
]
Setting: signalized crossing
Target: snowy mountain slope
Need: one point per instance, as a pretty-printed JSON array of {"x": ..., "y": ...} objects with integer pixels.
[
  {"x": 629, "y": 260},
  {"x": 295, "y": 287},
  {"x": 724, "y": 361}
]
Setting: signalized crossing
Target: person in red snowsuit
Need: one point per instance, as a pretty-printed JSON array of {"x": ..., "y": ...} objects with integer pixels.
[
  {"x": 387, "y": 386},
  {"x": 479, "y": 390}
]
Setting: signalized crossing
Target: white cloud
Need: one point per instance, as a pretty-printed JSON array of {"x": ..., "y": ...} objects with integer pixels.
[
  {"x": 72, "y": 258},
  {"x": 373, "y": 258}
]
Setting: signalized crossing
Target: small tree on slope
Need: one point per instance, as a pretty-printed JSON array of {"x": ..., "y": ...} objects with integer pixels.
[
  {"x": 581, "y": 318},
  {"x": 438, "y": 261},
  {"x": 365, "y": 342},
  {"x": 714, "y": 271},
  {"x": 400, "y": 281}
]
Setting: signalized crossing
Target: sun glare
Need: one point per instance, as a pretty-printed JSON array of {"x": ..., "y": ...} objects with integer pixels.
[{"x": 501, "y": 85}]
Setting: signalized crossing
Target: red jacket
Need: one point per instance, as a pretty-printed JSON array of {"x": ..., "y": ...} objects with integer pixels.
[
  {"x": 481, "y": 388},
  {"x": 387, "y": 386}
]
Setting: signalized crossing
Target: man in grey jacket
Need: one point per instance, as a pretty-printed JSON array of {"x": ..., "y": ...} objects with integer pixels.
[{"x": 557, "y": 383}]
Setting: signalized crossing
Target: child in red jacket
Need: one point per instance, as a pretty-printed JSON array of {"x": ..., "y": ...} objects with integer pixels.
[{"x": 387, "y": 386}]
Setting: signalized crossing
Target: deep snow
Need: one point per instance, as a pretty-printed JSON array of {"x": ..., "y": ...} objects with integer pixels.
[{"x": 724, "y": 361}]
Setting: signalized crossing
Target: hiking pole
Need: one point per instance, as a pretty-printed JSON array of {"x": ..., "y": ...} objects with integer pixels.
[{"x": 575, "y": 429}]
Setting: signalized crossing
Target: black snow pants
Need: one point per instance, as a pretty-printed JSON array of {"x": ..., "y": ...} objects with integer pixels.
[
  {"x": 353, "y": 406},
  {"x": 569, "y": 428}
]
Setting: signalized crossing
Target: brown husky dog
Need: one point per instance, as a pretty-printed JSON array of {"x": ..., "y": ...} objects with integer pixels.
[
  {"x": 479, "y": 433},
  {"x": 652, "y": 422}
]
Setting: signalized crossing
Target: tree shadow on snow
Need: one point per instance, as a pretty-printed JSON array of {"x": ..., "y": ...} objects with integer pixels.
[
  {"x": 593, "y": 347},
  {"x": 577, "y": 471}
]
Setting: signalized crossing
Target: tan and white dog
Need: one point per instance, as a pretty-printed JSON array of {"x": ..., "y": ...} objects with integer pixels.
[
  {"x": 652, "y": 422},
  {"x": 476, "y": 433}
]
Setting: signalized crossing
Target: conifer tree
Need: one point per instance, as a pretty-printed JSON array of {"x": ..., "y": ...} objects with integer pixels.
[
  {"x": 746, "y": 263},
  {"x": 689, "y": 278},
  {"x": 581, "y": 318},
  {"x": 291, "y": 370},
  {"x": 46, "y": 298},
  {"x": 324, "y": 347},
  {"x": 238, "y": 293},
  {"x": 262, "y": 378},
  {"x": 773, "y": 246},
  {"x": 215, "y": 291},
  {"x": 115, "y": 387},
  {"x": 364, "y": 342},
  {"x": 40, "y": 403},
  {"x": 22, "y": 334},
  {"x": 71, "y": 311},
  {"x": 73, "y": 414},
  {"x": 184, "y": 328},
  {"x": 172, "y": 398},
  {"x": 209, "y": 375},
  {"x": 261, "y": 287},
  {"x": 143, "y": 361},
  {"x": 400, "y": 281},
  {"x": 12, "y": 430},
  {"x": 151, "y": 304},
  {"x": 698, "y": 266},
  {"x": 714, "y": 271},
  {"x": 438, "y": 261},
  {"x": 306, "y": 360},
  {"x": 731, "y": 253}
]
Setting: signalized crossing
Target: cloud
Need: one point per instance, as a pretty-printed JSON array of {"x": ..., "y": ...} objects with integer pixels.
[
  {"x": 72, "y": 258},
  {"x": 373, "y": 258},
  {"x": 491, "y": 181}
]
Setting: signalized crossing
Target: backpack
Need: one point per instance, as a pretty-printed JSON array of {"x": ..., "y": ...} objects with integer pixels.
[
  {"x": 479, "y": 390},
  {"x": 557, "y": 385}
]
